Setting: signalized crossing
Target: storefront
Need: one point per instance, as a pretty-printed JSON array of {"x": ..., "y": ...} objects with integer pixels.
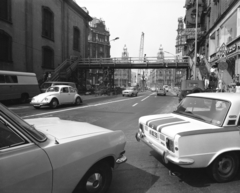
[{"x": 224, "y": 46}]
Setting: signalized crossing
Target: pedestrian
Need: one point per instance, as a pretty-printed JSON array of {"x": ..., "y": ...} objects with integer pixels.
[
  {"x": 49, "y": 76},
  {"x": 45, "y": 76}
]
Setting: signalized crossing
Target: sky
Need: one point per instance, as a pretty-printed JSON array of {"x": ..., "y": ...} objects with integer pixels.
[{"x": 127, "y": 19}]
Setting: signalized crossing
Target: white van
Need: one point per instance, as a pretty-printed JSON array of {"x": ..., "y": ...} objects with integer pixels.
[{"x": 18, "y": 85}]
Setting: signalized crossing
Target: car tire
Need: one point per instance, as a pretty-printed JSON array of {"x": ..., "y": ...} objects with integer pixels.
[
  {"x": 78, "y": 101},
  {"x": 132, "y": 95},
  {"x": 97, "y": 179},
  {"x": 123, "y": 95},
  {"x": 37, "y": 107},
  {"x": 54, "y": 103},
  {"x": 225, "y": 167},
  {"x": 24, "y": 98},
  {"x": 136, "y": 94}
]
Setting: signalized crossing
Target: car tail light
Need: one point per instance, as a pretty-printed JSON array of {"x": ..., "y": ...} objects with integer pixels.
[{"x": 170, "y": 144}]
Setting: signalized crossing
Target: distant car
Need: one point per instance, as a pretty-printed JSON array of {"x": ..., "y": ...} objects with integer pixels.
[
  {"x": 166, "y": 88},
  {"x": 55, "y": 96},
  {"x": 203, "y": 132},
  {"x": 53, "y": 155},
  {"x": 153, "y": 89},
  {"x": 130, "y": 91},
  {"x": 161, "y": 92}
]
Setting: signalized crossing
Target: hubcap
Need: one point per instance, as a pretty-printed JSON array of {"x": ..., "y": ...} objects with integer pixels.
[
  {"x": 94, "y": 182},
  {"x": 54, "y": 103},
  {"x": 225, "y": 166}
]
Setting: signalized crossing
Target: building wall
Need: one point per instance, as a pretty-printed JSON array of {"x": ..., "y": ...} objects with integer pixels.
[{"x": 26, "y": 33}]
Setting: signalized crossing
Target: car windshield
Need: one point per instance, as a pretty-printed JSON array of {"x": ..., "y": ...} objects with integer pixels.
[
  {"x": 212, "y": 111},
  {"x": 53, "y": 89},
  {"x": 24, "y": 125},
  {"x": 46, "y": 85},
  {"x": 129, "y": 88}
]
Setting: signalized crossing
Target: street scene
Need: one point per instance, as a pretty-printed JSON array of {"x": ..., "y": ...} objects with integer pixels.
[{"x": 126, "y": 96}]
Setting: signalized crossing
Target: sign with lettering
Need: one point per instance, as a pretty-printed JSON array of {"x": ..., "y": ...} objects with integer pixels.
[
  {"x": 231, "y": 49},
  {"x": 190, "y": 33}
]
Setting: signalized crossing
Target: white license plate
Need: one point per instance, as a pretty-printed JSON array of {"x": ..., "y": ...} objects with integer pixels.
[{"x": 153, "y": 133}]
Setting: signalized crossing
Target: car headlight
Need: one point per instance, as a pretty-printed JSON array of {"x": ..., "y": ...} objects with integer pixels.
[{"x": 45, "y": 100}]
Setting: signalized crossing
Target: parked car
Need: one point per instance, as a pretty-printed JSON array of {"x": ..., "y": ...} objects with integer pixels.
[
  {"x": 53, "y": 155},
  {"x": 153, "y": 89},
  {"x": 18, "y": 85},
  {"x": 55, "y": 96},
  {"x": 203, "y": 132},
  {"x": 130, "y": 91},
  {"x": 48, "y": 84},
  {"x": 161, "y": 92}
]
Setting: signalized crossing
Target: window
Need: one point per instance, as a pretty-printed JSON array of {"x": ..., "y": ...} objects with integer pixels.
[
  {"x": 11, "y": 79},
  {"x": 5, "y": 10},
  {"x": 5, "y": 47},
  {"x": 8, "y": 138},
  {"x": 76, "y": 39},
  {"x": 47, "y": 23},
  {"x": 64, "y": 90},
  {"x": 47, "y": 57},
  {"x": 72, "y": 90}
]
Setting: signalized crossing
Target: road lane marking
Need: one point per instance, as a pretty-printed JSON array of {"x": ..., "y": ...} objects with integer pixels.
[
  {"x": 135, "y": 104},
  {"x": 75, "y": 108},
  {"x": 15, "y": 108},
  {"x": 145, "y": 98}
]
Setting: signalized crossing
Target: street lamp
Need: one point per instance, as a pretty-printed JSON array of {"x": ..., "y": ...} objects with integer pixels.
[{"x": 115, "y": 39}]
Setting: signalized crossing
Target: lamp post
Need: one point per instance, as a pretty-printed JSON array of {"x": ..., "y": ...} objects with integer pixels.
[{"x": 195, "y": 58}]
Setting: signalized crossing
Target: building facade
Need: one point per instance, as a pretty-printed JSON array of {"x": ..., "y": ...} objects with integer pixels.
[
  {"x": 218, "y": 44},
  {"x": 37, "y": 36},
  {"x": 122, "y": 77}
]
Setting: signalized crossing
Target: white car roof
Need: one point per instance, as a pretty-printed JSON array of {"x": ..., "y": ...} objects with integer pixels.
[
  {"x": 60, "y": 86},
  {"x": 232, "y": 97}
]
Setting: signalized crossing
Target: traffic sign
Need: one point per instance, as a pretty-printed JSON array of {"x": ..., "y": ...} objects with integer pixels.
[{"x": 223, "y": 65}]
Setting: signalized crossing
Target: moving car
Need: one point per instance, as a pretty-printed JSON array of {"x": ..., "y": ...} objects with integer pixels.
[
  {"x": 48, "y": 84},
  {"x": 161, "y": 91},
  {"x": 55, "y": 96},
  {"x": 166, "y": 88},
  {"x": 53, "y": 155},
  {"x": 130, "y": 91},
  {"x": 203, "y": 132}
]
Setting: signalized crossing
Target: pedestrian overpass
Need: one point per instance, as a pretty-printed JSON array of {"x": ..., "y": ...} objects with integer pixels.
[{"x": 76, "y": 69}]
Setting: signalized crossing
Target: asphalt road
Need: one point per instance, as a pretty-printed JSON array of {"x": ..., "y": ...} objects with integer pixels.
[{"x": 144, "y": 172}]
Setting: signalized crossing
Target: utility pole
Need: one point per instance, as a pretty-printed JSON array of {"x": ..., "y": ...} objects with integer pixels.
[{"x": 196, "y": 32}]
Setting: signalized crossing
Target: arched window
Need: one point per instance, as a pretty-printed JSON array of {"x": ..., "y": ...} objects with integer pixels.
[
  {"x": 5, "y": 10},
  {"x": 76, "y": 39},
  {"x": 47, "y": 57},
  {"x": 47, "y": 23},
  {"x": 5, "y": 47}
]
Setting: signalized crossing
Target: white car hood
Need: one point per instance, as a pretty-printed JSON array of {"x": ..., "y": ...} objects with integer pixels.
[
  {"x": 44, "y": 95},
  {"x": 127, "y": 90},
  {"x": 173, "y": 124},
  {"x": 62, "y": 129}
]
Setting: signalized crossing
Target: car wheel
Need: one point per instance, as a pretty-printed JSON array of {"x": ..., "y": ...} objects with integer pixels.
[
  {"x": 98, "y": 179},
  {"x": 136, "y": 94},
  {"x": 123, "y": 95},
  {"x": 36, "y": 107},
  {"x": 24, "y": 98},
  {"x": 132, "y": 95},
  {"x": 54, "y": 103},
  {"x": 224, "y": 168},
  {"x": 78, "y": 101}
]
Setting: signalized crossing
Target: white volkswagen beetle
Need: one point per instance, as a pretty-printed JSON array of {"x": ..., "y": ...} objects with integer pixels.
[
  {"x": 50, "y": 155},
  {"x": 55, "y": 96}
]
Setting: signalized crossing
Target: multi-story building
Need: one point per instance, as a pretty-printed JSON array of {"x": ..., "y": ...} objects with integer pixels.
[
  {"x": 122, "y": 77},
  {"x": 37, "y": 36},
  {"x": 218, "y": 43},
  {"x": 98, "y": 47}
]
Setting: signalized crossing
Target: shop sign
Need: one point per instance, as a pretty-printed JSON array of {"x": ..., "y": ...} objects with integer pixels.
[
  {"x": 190, "y": 33},
  {"x": 214, "y": 57},
  {"x": 231, "y": 49}
]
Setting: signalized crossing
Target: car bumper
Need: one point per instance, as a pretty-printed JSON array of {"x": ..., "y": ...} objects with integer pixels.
[
  {"x": 40, "y": 104},
  {"x": 140, "y": 136},
  {"x": 127, "y": 94}
]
